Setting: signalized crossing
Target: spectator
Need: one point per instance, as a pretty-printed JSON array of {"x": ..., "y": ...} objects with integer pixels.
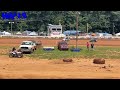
[
  {"x": 88, "y": 45},
  {"x": 92, "y": 46}
]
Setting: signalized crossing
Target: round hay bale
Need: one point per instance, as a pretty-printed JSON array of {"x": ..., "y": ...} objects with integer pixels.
[
  {"x": 67, "y": 60},
  {"x": 99, "y": 61}
]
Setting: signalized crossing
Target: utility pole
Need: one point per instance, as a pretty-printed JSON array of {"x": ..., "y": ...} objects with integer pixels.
[
  {"x": 77, "y": 15},
  {"x": 87, "y": 28},
  {"x": 113, "y": 29},
  {"x": 76, "y": 29},
  {"x": 11, "y": 27},
  {"x": 59, "y": 22}
]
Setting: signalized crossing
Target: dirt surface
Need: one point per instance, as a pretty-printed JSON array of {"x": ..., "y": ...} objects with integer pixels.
[
  {"x": 27, "y": 68},
  {"x": 53, "y": 42}
]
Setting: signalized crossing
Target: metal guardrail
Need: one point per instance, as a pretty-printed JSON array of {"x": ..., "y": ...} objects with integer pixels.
[{"x": 71, "y": 37}]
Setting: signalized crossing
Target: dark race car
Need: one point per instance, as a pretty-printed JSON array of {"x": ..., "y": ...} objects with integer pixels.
[{"x": 62, "y": 45}]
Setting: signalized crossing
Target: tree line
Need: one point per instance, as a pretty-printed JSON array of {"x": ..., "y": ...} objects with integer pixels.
[{"x": 95, "y": 21}]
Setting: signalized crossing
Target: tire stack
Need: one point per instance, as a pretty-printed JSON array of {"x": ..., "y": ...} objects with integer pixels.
[
  {"x": 99, "y": 61},
  {"x": 67, "y": 60}
]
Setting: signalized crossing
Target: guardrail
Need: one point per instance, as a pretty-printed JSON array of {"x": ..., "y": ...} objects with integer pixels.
[{"x": 71, "y": 37}]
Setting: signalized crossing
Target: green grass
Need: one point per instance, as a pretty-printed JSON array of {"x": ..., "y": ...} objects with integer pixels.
[
  {"x": 107, "y": 52},
  {"x": 99, "y": 52}
]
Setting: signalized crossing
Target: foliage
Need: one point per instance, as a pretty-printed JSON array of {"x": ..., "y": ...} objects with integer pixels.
[{"x": 38, "y": 21}]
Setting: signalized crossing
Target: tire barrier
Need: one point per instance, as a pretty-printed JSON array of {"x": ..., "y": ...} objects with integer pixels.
[
  {"x": 99, "y": 61},
  {"x": 67, "y": 60}
]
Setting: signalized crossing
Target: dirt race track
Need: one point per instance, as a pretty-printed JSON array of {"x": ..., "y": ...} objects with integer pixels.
[{"x": 26, "y": 68}]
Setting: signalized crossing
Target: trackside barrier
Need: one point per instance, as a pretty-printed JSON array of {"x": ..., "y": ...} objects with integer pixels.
[{"x": 71, "y": 37}]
